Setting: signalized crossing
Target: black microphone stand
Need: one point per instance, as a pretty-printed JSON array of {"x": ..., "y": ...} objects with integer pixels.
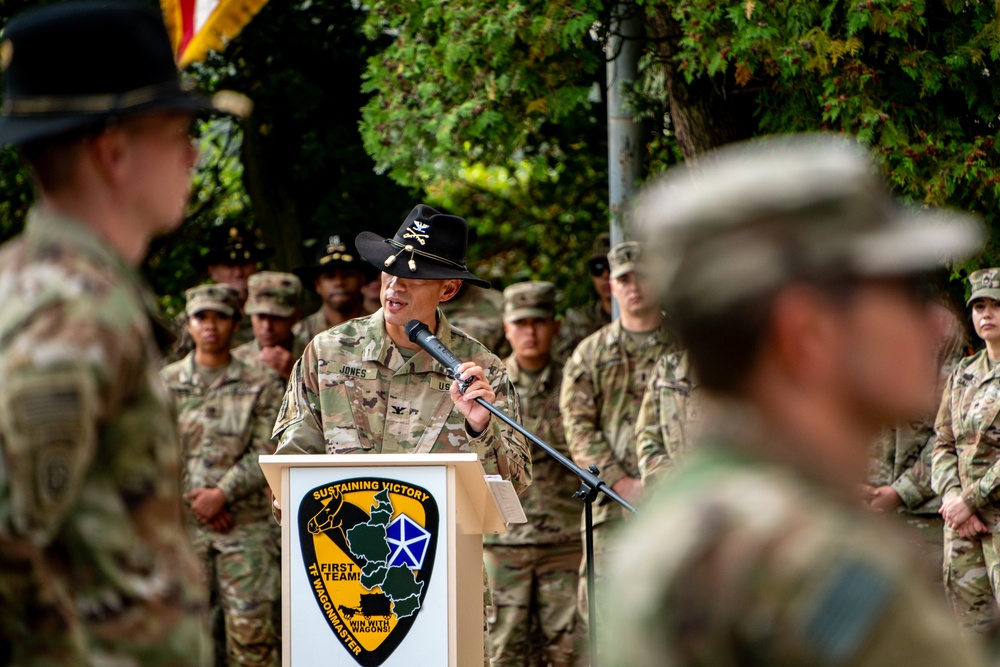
[{"x": 591, "y": 486}]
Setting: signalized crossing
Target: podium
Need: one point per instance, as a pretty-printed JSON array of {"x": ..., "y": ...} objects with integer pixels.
[{"x": 382, "y": 557}]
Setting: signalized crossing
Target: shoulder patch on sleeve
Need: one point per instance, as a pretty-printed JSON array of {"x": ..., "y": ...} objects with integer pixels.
[
  {"x": 49, "y": 435},
  {"x": 850, "y": 601}
]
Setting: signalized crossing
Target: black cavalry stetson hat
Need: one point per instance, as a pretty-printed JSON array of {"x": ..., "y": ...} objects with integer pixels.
[
  {"x": 429, "y": 246},
  {"x": 234, "y": 244},
  {"x": 330, "y": 255},
  {"x": 72, "y": 65}
]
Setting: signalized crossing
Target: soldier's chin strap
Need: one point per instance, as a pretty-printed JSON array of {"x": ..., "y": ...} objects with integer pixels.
[{"x": 591, "y": 485}]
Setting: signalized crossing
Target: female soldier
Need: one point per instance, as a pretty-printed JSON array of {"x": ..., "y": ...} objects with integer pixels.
[{"x": 966, "y": 465}]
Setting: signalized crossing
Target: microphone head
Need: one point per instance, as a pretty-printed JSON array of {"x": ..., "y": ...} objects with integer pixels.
[{"x": 412, "y": 328}]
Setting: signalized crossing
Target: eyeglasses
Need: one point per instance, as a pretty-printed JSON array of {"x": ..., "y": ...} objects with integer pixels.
[{"x": 598, "y": 267}]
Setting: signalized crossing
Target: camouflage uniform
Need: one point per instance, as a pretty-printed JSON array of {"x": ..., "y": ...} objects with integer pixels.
[
  {"x": 348, "y": 395},
  {"x": 741, "y": 561},
  {"x": 669, "y": 414},
  {"x": 603, "y": 385},
  {"x": 249, "y": 353},
  {"x": 902, "y": 459},
  {"x": 577, "y": 324},
  {"x": 309, "y": 327},
  {"x": 224, "y": 428},
  {"x": 533, "y": 567},
  {"x": 965, "y": 460},
  {"x": 478, "y": 312},
  {"x": 95, "y": 566}
]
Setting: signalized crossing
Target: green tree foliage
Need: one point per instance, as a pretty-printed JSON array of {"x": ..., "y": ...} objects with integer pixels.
[
  {"x": 913, "y": 79},
  {"x": 489, "y": 109}
]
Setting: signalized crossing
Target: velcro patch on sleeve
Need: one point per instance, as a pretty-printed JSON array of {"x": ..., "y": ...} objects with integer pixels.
[
  {"x": 850, "y": 601},
  {"x": 49, "y": 432}
]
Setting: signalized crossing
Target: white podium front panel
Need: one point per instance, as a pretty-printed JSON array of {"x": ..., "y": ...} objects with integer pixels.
[{"x": 368, "y": 566}]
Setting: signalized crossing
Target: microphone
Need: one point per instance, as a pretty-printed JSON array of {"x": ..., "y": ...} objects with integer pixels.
[{"x": 419, "y": 333}]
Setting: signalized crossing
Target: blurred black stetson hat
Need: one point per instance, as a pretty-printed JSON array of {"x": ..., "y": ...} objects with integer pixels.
[
  {"x": 72, "y": 65},
  {"x": 234, "y": 244},
  {"x": 428, "y": 246},
  {"x": 332, "y": 255}
]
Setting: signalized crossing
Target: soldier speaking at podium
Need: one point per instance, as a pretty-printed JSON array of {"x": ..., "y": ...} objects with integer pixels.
[{"x": 363, "y": 387}]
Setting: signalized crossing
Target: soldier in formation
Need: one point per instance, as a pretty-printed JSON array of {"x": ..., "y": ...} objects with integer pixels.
[
  {"x": 533, "y": 567},
  {"x": 273, "y": 306},
  {"x": 225, "y": 410},
  {"x": 337, "y": 275},
  {"x": 353, "y": 390},
  {"x": 603, "y": 385},
  {"x": 966, "y": 460},
  {"x": 95, "y": 565},
  {"x": 788, "y": 271},
  {"x": 668, "y": 417},
  {"x": 580, "y": 322}
]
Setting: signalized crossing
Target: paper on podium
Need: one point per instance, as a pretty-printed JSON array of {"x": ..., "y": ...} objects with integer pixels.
[{"x": 506, "y": 499}]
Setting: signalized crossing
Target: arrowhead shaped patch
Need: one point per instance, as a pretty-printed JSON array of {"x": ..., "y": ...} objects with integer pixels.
[{"x": 368, "y": 548}]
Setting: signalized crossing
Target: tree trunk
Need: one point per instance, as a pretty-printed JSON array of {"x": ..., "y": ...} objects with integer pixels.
[
  {"x": 274, "y": 210},
  {"x": 703, "y": 115}
]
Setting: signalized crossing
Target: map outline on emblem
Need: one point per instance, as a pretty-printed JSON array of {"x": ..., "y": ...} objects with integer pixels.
[{"x": 368, "y": 548}]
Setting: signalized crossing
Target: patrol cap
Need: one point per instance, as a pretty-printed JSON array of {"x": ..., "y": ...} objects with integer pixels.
[
  {"x": 624, "y": 258},
  {"x": 273, "y": 293},
  {"x": 985, "y": 284},
  {"x": 748, "y": 218},
  {"x": 218, "y": 297},
  {"x": 529, "y": 299}
]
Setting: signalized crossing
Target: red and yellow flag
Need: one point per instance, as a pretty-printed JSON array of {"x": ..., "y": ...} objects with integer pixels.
[{"x": 199, "y": 26}]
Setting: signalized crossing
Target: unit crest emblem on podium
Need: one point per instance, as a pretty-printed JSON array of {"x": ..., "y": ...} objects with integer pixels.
[{"x": 368, "y": 547}]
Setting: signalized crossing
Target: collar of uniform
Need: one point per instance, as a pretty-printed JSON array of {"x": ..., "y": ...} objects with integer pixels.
[
  {"x": 616, "y": 334},
  {"x": 50, "y": 228},
  {"x": 377, "y": 347},
  {"x": 190, "y": 376},
  {"x": 62, "y": 230},
  {"x": 514, "y": 372},
  {"x": 979, "y": 367}
]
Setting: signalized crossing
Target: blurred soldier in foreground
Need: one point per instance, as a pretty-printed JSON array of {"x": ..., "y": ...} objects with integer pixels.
[
  {"x": 668, "y": 417},
  {"x": 95, "y": 566},
  {"x": 789, "y": 270},
  {"x": 899, "y": 476},
  {"x": 337, "y": 275},
  {"x": 603, "y": 385},
  {"x": 273, "y": 307},
  {"x": 234, "y": 254},
  {"x": 580, "y": 322},
  {"x": 225, "y": 411},
  {"x": 533, "y": 567}
]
